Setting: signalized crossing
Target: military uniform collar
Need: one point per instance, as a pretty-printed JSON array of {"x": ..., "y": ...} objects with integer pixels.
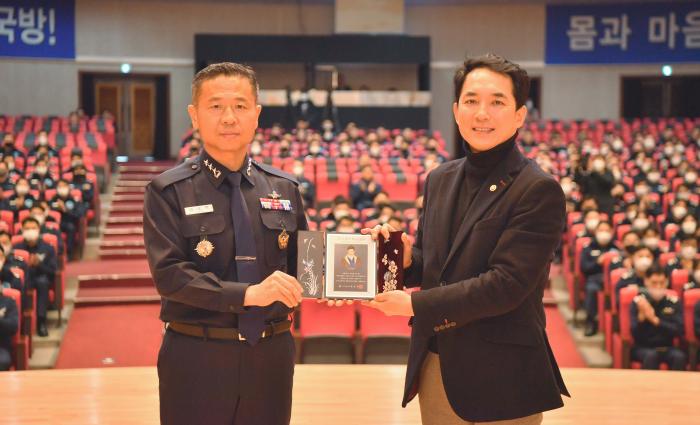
[{"x": 218, "y": 173}]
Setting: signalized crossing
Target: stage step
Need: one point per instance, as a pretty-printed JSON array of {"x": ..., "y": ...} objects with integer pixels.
[
  {"x": 117, "y": 244},
  {"x": 120, "y": 280},
  {"x": 117, "y": 231},
  {"x": 131, "y": 219},
  {"x": 116, "y": 295},
  {"x": 143, "y": 169},
  {"x": 122, "y": 254},
  {"x": 133, "y": 181},
  {"x": 130, "y": 190},
  {"x": 127, "y": 198}
]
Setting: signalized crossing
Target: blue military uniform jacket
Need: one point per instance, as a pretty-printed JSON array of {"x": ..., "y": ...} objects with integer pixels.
[{"x": 188, "y": 208}]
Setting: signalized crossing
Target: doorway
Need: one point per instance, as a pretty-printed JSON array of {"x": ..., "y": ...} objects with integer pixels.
[
  {"x": 139, "y": 105},
  {"x": 660, "y": 97}
]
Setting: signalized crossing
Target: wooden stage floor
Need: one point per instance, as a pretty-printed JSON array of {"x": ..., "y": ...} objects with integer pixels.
[{"x": 339, "y": 395}]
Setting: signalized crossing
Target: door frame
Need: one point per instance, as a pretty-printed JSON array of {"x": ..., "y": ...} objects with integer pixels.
[{"x": 86, "y": 100}]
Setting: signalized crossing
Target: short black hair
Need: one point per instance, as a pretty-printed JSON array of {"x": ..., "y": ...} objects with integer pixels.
[
  {"x": 501, "y": 65},
  {"x": 643, "y": 248},
  {"x": 229, "y": 69},
  {"x": 30, "y": 219},
  {"x": 655, "y": 269}
]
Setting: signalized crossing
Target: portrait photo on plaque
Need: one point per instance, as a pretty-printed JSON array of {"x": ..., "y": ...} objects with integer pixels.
[{"x": 351, "y": 266}]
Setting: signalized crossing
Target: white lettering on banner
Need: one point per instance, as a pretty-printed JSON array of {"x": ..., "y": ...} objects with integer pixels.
[
  {"x": 7, "y": 20},
  {"x": 663, "y": 29},
  {"x": 582, "y": 33},
  {"x": 33, "y": 22},
  {"x": 692, "y": 31},
  {"x": 616, "y": 31}
]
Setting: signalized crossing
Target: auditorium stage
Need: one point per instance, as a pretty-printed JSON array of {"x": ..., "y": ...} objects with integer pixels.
[{"x": 339, "y": 395}]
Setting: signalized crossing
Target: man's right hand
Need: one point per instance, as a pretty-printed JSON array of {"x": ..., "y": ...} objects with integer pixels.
[
  {"x": 385, "y": 229},
  {"x": 278, "y": 286}
]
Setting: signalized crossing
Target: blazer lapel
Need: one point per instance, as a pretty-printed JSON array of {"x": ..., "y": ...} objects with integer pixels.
[
  {"x": 450, "y": 193},
  {"x": 499, "y": 179}
]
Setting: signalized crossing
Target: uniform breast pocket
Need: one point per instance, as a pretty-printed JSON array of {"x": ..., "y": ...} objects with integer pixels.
[
  {"x": 196, "y": 228},
  {"x": 274, "y": 223}
]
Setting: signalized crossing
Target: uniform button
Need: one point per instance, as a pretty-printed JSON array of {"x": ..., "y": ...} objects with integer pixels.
[
  {"x": 443, "y": 283},
  {"x": 202, "y": 228},
  {"x": 442, "y": 327},
  {"x": 453, "y": 324},
  {"x": 436, "y": 328},
  {"x": 194, "y": 166}
]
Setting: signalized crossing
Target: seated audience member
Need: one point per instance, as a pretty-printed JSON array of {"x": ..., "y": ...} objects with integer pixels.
[
  {"x": 21, "y": 199},
  {"x": 396, "y": 223},
  {"x": 9, "y": 324},
  {"x": 40, "y": 213},
  {"x": 8, "y": 279},
  {"x": 42, "y": 267},
  {"x": 656, "y": 320},
  {"x": 651, "y": 238},
  {"x": 364, "y": 191},
  {"x": 6, "y": 181},
  {"x": 71, "y": 209},
  {"x": 642, "y": 260},
  {"x": 678, "y": 212},
  {"x": 307, "y": 189},
  {"x": 340, "y": 207},
  {"x": 345, "y": 224},
  {"x": 642, "y": 222},
  {"x": 42, "y": 146},
  {"x": 685, "y": 258},
  {"x": 8, "y": 147},
  {"x": 693, "y": 277},
  {"x": 12, "y": 168},
  {"x": 81, "y": 182},
  {"x": 591, "y": 219},
  {"x": 592, "y": 269},
  {"x": 689, "y": 228},
  {"x": 41, "y": 179}
]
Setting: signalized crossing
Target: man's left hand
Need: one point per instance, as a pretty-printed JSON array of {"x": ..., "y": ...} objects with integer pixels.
[{"x": 392, "y": 303}]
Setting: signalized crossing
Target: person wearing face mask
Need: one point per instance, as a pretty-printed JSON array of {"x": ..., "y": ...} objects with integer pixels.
[
  {"x": 693, "y": 280},
  {"x": 363, "y": 192},
  {"x": 6, "y": 181},
  {"x": 38, "y": 211},
  {"x": 655, "y": 183},
  {"x": 650, "y": 239},
  {"x": 340, "y": 207},
  {"x": 346, "y": 224},
  {"x": 641, "y": 222},
  {"x": 41, "y": 268},
  {"x": 41, "y": 179},
  {"x": 306, "y": 186},
  {"x": 345, "y": 150},
  {"x": 596, "y": 180},
  {"x": 8, "y": 279},
  {"x": 688, "y": 228},
  {"x": 9, "y": 324},
  {"x": 8, "y": 147},
  {"x": 592, "y": 269},
  {"x": 642, "y": 260},
  {"x": 71, "y": 209},
  {"x": 80, "y": 181},
  {"x": 21, "y": 199},
  {"x": 656, "y": 319},
  {"x": 686, "y": 257},
  {"x": 591, "y": 219},
  {"x": 42, "y": 146},
  {"x": 677, "y": 213}
]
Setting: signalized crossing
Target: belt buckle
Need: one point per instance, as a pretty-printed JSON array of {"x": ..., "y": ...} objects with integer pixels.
[{"x": 241, "y": 337}]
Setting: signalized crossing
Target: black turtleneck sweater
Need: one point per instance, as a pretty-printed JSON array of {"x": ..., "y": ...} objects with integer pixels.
[{"x": 477, "y": 167}]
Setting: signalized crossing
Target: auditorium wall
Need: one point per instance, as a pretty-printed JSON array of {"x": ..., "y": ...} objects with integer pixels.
[{"x": 156, "y": 36}]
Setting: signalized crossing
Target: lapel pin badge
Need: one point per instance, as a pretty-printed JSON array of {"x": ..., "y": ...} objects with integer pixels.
[{"x": 493, "y": 188}]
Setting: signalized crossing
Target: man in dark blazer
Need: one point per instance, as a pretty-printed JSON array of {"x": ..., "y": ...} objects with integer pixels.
[{"x": 486, "y": 237}]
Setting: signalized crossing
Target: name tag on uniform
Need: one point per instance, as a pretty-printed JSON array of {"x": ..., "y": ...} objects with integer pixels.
[
  {"x": 276, "y": 204},
  {"x": 199, "y": 209}
]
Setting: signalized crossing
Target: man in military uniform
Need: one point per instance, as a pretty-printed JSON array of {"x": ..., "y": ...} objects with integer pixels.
[
  {"x": 220, "y": 232},
  {"x": 656, "y": 319},
  {"x": 642, "y": 260},
  {"x": 592, "y": 269}
]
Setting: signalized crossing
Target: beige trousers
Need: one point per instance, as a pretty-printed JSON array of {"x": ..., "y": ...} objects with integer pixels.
[{"x": 435, "y": 409}]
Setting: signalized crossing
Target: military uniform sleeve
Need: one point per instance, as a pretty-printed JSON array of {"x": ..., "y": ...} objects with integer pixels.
[
  {"x": 49, "y": 265},
  {"x": 533, "y": 232},
  {"x": 589, "y": 263},
  {"x": 176, "y": 277},
  {"x": 10, "y": 323},
  {"x": 672, "y": 324}
]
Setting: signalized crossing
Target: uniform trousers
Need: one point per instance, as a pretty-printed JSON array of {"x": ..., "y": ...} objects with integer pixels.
[{"x": 222, "y": 382}]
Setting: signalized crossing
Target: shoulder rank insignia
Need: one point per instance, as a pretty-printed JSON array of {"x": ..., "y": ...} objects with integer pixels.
[
  {"x": 215, "y": 171},
  {"x": 204, "y": 248}
]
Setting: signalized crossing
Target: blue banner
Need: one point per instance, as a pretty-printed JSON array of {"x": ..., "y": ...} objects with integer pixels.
[
  {"x": 37, "y": 28},
  {"x": 624, "y": 33}
]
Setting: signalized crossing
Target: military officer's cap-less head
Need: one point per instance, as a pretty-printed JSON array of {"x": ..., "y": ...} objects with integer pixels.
[{"x": 225, "y": 111}]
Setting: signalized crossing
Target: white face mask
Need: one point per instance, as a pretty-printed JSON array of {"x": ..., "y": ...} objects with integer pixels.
[
  {"x": 340, "y": 214},
  {"x": 298, "y": 171},
  {"x": 63, "y": 191},
  {"x": 640, "y": 223},
  {"x": 691, "y": 177},
  {"x": 43, "y": 140},
  {"x": 680, "y": 148},
  {"x": 22, "y": 190},
  {"x": 683, "y": 195},
  {"x": 30, "y": 235},
  {"x": 641, "y": 190},
  {"x": 375, "y": 151},
  {"x": 345, "y": 150},
  {"x": 689, "y": 227},
  {"x": 41, "y": 170},
  {"x": 599, "y": 165},
  {"x": 591, "y": 224},
  {"x": 654, "y": 177},
  {"x": 649, "y": 143},
  {"x": 642, "y": 264},
  {"x": 675, "y": 161},
  {"x": 668, "y": 150},
  {"x": 256, "y": 150},
  {"x": 617, "y": 145},
  {"x": 40, "y": 218},
  {"x": 688, "y": 252},
  {"x": 652, "y": 243},
  {"x": 314, "y": 149},
  {"x": 603, "y": 238},
  {"x": 567, "y": 188},
  {"x": 679, "y": 212}
]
